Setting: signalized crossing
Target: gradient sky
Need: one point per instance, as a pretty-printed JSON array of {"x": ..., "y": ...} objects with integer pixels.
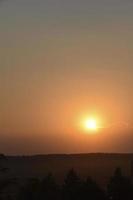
[{"x": 60, "y": 61}]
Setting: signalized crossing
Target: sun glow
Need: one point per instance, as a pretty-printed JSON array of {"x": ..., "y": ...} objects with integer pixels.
[{"x": 91, "y": 124}]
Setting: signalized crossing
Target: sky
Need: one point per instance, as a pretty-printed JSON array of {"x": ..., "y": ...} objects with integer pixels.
[{"x": 61, "y": 62}]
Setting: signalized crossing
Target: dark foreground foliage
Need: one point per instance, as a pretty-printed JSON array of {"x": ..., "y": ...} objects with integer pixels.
[{"x": 73, "y": 188}]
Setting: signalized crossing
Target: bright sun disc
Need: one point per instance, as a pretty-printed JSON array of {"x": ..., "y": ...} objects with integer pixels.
[{"x": 91, "y": 124}]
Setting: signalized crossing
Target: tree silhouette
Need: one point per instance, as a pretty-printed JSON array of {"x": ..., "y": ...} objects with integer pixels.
[
  {"x": 92, "y": 191},
  {"x": 72, "y": 186},
  {"x": 49, "y": 189},
  {"x": 30, "y": 190},
  {"x": 4, "y": 181},
  {"x": 3, "y": 169},
  {"x": 120, "y": 187}
]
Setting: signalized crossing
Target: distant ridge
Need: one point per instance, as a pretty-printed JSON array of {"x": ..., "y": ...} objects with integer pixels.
[{"x": 72, "y": 155}]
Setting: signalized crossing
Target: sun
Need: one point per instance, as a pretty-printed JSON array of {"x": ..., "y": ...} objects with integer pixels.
[{"x": 90, "y": 124}]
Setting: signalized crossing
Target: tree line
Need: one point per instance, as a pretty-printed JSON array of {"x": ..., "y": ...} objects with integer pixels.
[
  {"x": 74, "y": 188},
  {"x": 119, "y": 187}
]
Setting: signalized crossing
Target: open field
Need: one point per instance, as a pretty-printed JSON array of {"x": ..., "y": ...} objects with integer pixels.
[{"x": 99, "y": 166}]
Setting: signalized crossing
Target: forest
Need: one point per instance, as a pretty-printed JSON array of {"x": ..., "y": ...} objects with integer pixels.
[{"x": 119, "y": 187}]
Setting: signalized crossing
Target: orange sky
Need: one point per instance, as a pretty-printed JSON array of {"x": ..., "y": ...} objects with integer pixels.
[{"x": 61, "y": 63}]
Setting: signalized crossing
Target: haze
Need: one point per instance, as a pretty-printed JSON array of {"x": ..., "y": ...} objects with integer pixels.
[{"x": 61, "y": 61}]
